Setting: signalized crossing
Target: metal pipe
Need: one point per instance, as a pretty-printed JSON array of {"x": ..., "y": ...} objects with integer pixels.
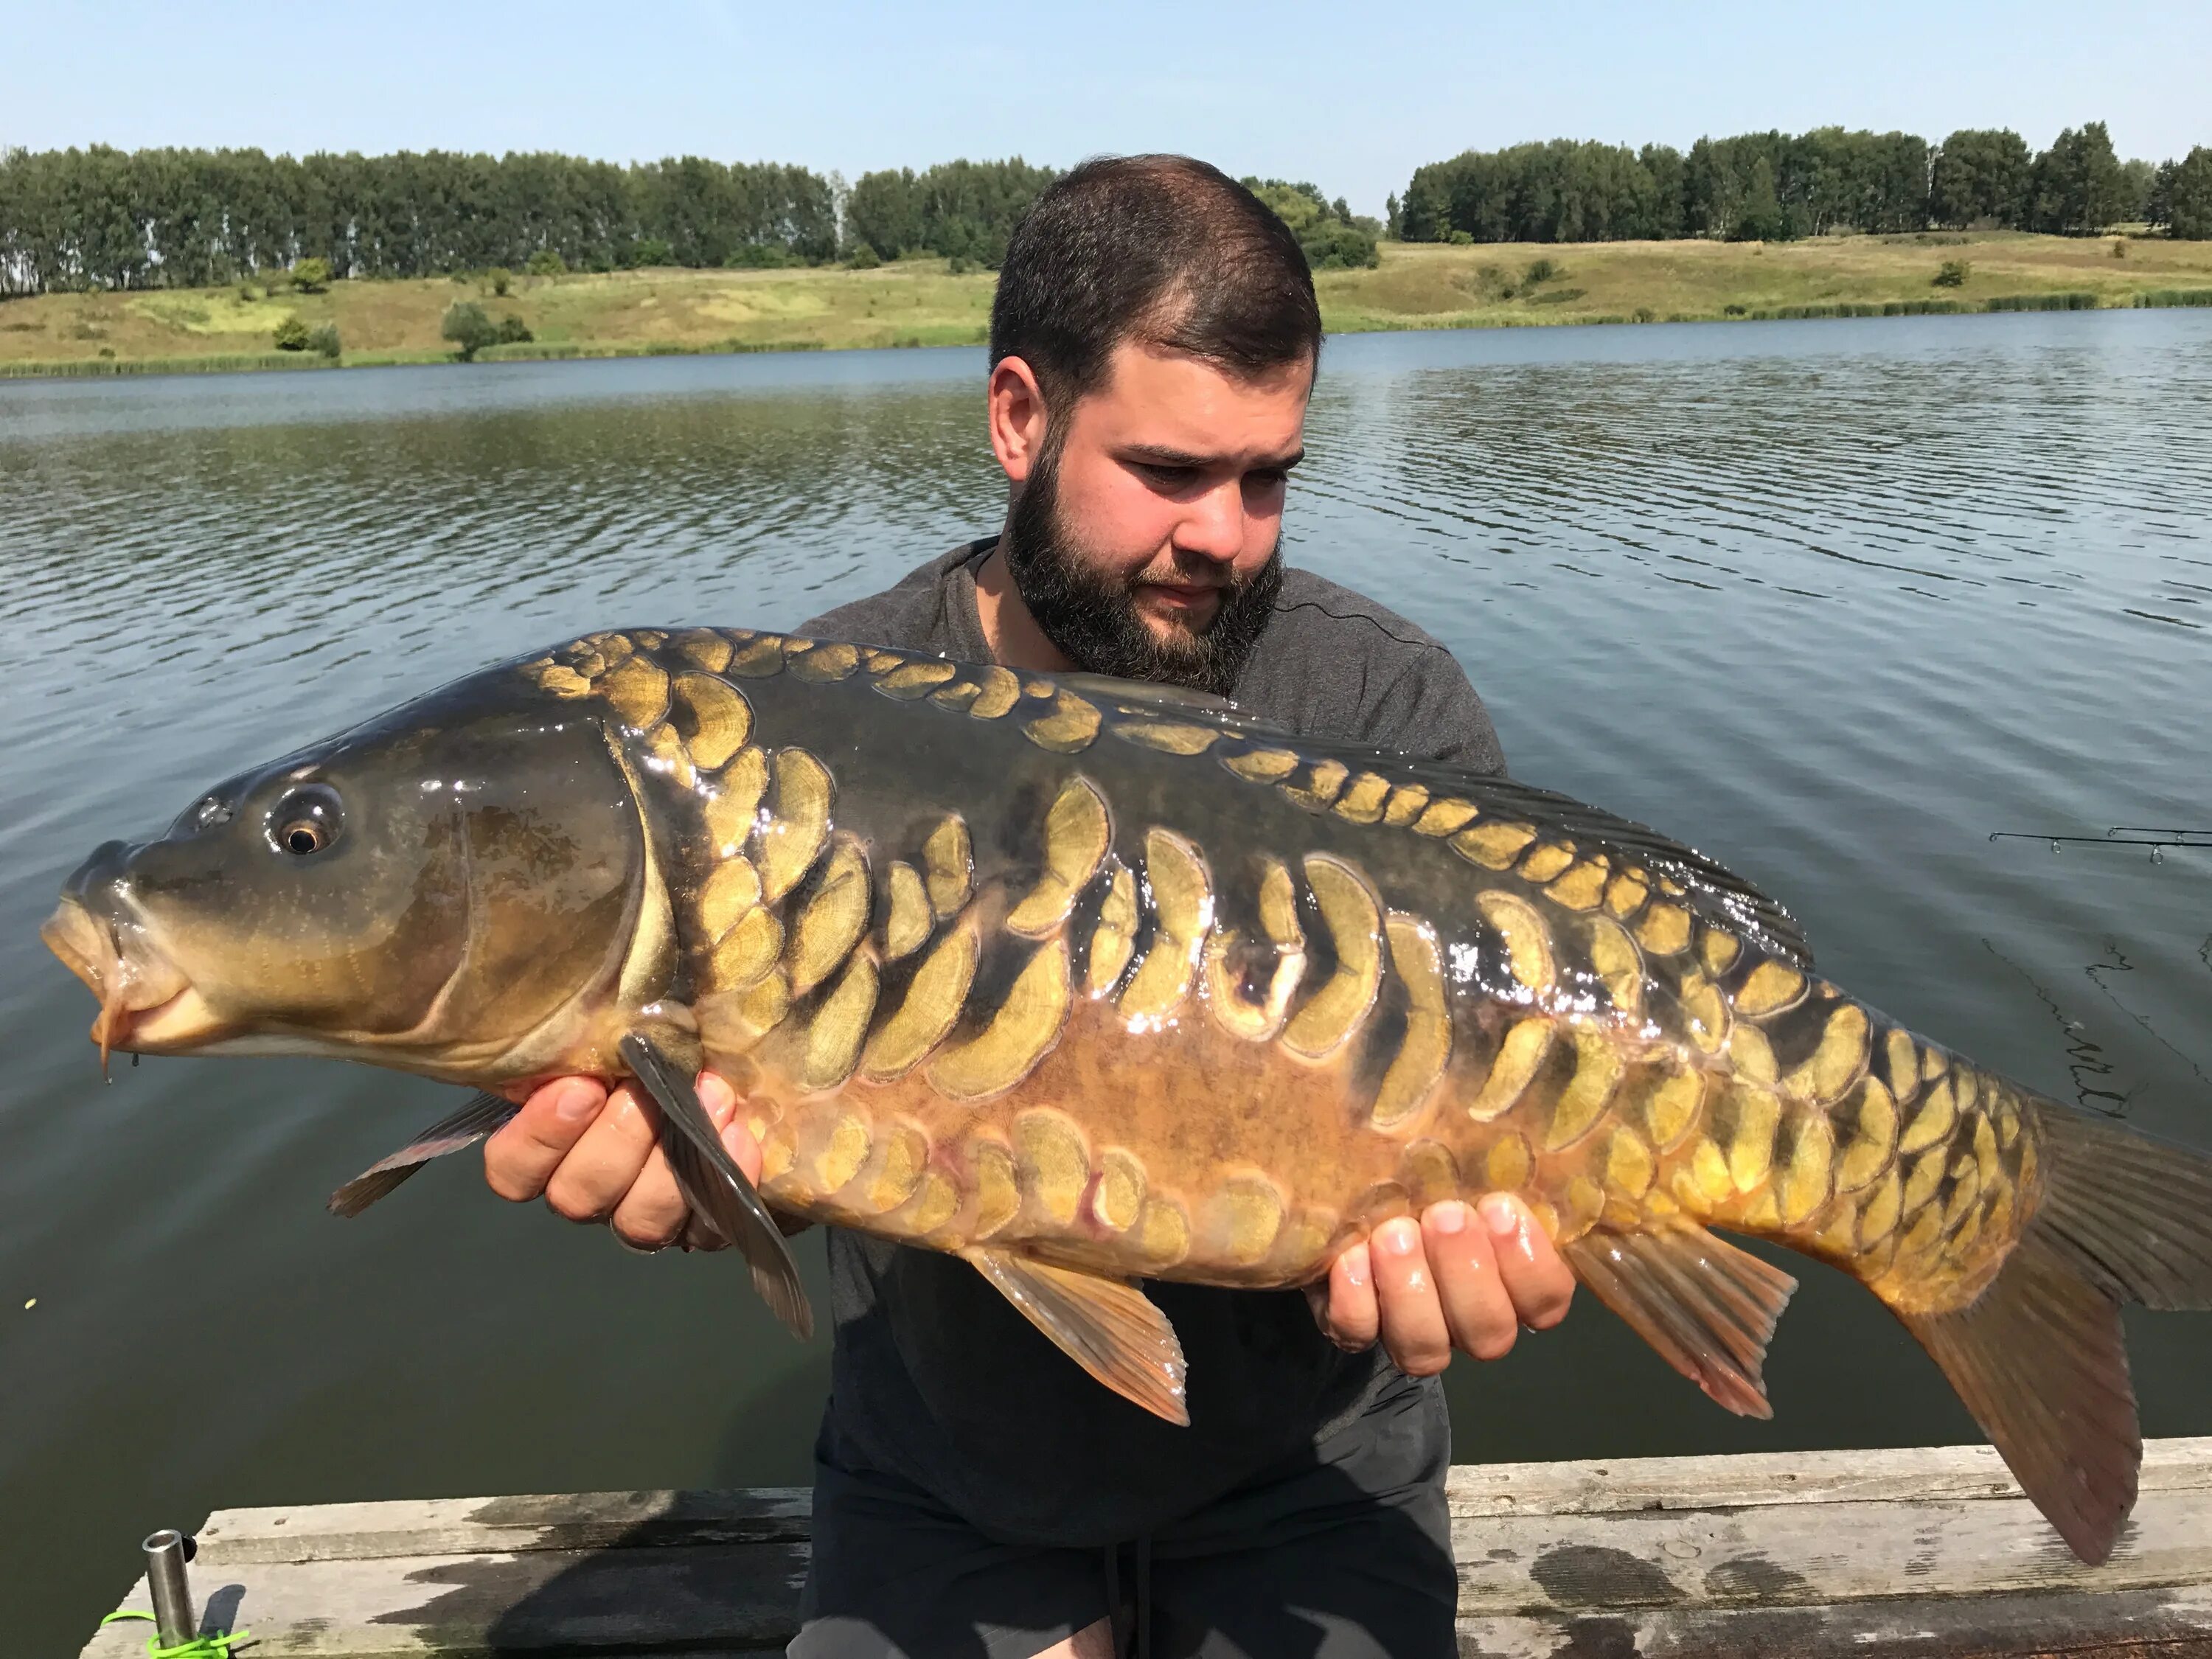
[{"x": 173, "y": 1593}]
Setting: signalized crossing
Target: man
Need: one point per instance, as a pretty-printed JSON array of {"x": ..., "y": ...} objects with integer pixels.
[{"x": 1153, "y": 345}]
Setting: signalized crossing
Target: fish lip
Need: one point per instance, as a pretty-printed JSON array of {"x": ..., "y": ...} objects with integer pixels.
[
  {"x": 82, "y": 944},
  {"x": 177, "y": 1024},
  {"x": 144, "y": 995}
]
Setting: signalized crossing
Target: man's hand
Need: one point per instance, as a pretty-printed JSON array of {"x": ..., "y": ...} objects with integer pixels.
[
  {"x": 1463, "y": 1276},
  {"x": 595, "y": 1156}
]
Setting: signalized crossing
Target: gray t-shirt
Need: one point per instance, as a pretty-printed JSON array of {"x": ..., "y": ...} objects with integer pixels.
[{"x": 935, "y": 1378}]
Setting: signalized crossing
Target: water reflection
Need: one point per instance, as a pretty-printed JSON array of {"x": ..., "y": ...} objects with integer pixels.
[{"x": 1831, "y": 600}]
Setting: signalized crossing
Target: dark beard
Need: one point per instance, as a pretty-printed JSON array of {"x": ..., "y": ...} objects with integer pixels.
[{"x": 1093, "y": 619}]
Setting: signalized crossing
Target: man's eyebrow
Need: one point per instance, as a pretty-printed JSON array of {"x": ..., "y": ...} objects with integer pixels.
[{"x": 1163, "y": 455}]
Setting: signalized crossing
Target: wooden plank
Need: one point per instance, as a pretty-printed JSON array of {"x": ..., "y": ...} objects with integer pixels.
[
  {"x": 1606, "y": 1484},
  {"x": 474, "y": 1526},
  {"x": 569, "y": 1520},
  {"x": 2130, "y": 1625},
  {"x": 1795, "y": 1554},
  {"x": 651, "y": 1602},
  {"x": 728, "y": 1598}
]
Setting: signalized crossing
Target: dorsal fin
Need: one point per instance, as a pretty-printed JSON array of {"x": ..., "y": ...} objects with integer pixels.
[{"x": 1714, "y": 892}]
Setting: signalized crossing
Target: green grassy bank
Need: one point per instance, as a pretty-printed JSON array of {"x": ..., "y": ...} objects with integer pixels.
[{"x": 922, "y": 302}]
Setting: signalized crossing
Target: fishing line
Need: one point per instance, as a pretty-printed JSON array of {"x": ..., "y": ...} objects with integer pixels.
[{"x": 199, "y": 1647}]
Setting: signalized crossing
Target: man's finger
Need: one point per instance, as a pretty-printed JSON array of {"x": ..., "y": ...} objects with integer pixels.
[
  {"x": 521, "y": 1157},
  {"x": 1476, "y": 1308},
  {"x": 606, "y": 1162},
  {"x": 1540, "y": 1283},
  {"x": 1412, "y": 1319},
  {"x": 1344, "y": 1303}
]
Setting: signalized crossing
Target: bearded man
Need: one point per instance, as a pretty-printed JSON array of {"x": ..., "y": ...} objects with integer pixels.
[{"x": 1153, "y": 346}]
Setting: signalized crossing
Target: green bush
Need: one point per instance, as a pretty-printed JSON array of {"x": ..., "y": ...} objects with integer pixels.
[
  {"x": 500, "y": 279},
  {"x": 1645, "y": 314},
  {"x": 1336, "y": 244},
  {"x": 651, "y": 250},
  {"x": 862, "y": 257},
  {"x": 1952, "y": 273},
  {"x": 323, "y": 342},
  {"x": 959, "y": 265},
  {"x": 312, "y": 276},
  {"x": 1460, "y": 239},
  {"x": 468, "y": 328},
  {"x": 758, "y": 256},
  {"x": 545, "y": 262},
  {"x": 1539, "y": 271},
  {"x": 513, "y": 330},
  {"x": 291, "y": 335}
]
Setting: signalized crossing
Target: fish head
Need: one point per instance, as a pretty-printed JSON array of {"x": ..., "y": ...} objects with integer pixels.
[{"x": 434, "y": 890}]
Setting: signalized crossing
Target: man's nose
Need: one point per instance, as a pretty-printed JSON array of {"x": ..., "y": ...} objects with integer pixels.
[{"x": 1213, "y": 526}]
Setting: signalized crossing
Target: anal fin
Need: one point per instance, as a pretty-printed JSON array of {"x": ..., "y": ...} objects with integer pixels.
[
  {"x": 1709, "y": 1308},
  {"x": 484, "y": 1115},
  {"x": 1107, "y": 1326}
]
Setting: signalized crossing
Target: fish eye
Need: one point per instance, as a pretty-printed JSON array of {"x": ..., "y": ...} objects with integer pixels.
[{"x": 305, "y": 820}]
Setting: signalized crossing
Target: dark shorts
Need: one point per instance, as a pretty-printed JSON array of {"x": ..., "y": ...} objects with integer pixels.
[{"x": 1345, "y": 1553}]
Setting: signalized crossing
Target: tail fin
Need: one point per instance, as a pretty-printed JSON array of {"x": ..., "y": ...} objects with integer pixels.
[{"x": 2039, "y": 1357}]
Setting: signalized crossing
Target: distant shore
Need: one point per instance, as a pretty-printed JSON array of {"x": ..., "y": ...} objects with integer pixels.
[{"x": 922, "y": 302}]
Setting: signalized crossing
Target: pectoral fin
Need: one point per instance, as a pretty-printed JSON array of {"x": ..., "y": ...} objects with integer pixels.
[
  {"x": 1709, "y": 1308},
  {"x": 484, "y": 1115},
  {"x": 1107, "y": 1326},
  {"x": 715, "y": 1187}
]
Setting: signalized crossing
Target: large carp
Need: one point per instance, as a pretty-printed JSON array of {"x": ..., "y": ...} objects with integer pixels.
[{"x": 1089, "y": 982}]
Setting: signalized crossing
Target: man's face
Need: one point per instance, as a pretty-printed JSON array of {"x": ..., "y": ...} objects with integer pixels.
[{"x": 1143, "y": 541}]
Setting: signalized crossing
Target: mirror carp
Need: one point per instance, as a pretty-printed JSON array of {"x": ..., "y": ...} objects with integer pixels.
[{"x": 1089, "y": 982}]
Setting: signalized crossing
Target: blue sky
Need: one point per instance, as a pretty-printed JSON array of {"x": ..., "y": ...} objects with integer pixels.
[{"x": 1351, "y": 96}]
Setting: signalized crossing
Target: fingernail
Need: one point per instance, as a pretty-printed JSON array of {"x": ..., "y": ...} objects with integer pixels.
[
  {"x": 1399, "y": 1237},
  {"x": 1449, "y": 1217},
  {"x": 1355, "y": 1264},
  {"x": 1501, "y": 1215},
  {"x": 578, "y": 1103},
  {"x": 716, "y": 1095}
]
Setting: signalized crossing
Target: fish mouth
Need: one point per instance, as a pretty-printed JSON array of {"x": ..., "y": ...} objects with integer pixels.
[{"x": 147, "y": 1005}]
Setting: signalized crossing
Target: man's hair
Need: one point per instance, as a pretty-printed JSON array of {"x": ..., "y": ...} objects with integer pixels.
[{"x": 1159, "y": 249}]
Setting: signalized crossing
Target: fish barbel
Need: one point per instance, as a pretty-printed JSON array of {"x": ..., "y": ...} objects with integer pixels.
[{"x": 1089, "y": 982}]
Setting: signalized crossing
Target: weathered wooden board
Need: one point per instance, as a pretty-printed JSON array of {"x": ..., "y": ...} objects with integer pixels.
[
  {"x": 1923, "y": 1552},
  {"x": 2127, "y": 1624}
]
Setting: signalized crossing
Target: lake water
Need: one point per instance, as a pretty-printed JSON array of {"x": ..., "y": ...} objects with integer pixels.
[{"x": 1833, "y": 600}]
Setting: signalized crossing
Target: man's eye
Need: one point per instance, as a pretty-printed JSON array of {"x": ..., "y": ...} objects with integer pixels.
[{"x": 1170, "y": 477}]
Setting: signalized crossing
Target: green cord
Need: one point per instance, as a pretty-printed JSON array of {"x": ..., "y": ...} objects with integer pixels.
[{"x": 196, "y": 1647}]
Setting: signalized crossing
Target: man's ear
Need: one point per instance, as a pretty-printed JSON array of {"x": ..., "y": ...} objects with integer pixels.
[{"x": 1016, "y": 414}]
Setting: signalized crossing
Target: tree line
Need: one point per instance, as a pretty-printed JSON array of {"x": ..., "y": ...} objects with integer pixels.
[
  {"x": 105, "y": 218},
  {"x": 186, "y": 218},
  {"x": 1775, "y": 186},
  {"x": 189, "y": 218}
]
